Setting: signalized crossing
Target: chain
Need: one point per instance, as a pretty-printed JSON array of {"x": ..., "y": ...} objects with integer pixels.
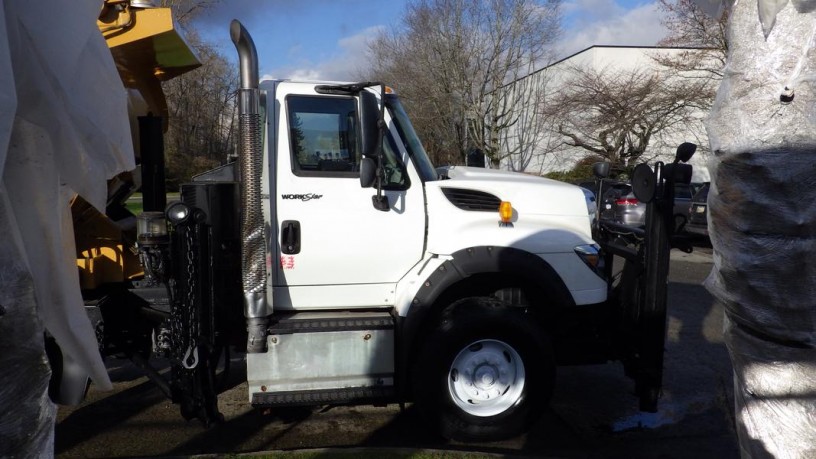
[
  {"x": 190, "y": 359},
  {"x": 176, "y": 327},
  {"x": 183, "y": 320}
]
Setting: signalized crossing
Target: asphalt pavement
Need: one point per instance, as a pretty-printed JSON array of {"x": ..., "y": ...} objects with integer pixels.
[{"x": 593, "y": 413}]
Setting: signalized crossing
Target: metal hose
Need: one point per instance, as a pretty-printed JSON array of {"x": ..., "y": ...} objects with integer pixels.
[{"x": 253, "y": 254}]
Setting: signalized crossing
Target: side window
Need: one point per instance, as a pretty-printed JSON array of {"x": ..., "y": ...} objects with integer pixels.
[
  {"x": 394, "y": 174},
  {"x": 323, "y": 136},
  {"x": 682, "y": 191}
]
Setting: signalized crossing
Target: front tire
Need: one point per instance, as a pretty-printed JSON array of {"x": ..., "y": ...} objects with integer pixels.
[{"x": 485, "y": 373}]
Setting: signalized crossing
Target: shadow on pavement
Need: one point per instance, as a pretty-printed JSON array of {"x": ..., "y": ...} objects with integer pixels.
[
  {"x": 93, "y": 419},
  {"x": 593, "y": 413}
]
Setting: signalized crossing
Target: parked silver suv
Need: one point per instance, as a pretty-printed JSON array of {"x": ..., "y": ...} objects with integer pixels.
[
  {"x": 625, "y": 207},
  {"x": 619, "y": 204}
]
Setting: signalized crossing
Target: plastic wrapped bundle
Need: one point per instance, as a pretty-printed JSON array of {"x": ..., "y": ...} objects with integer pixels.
[
  {"x": 63, "y": 131},
  {"x": 26, "y": 428},
  {"x": 762, "y": 218}
]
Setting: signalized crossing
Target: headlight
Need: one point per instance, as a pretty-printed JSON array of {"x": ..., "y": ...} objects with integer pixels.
[
  {"x": 177, "y": 212},
  {"x": 590, "y": 254}
]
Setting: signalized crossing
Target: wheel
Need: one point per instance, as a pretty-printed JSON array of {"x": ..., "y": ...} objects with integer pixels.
[{"x": 486, "y": 372}]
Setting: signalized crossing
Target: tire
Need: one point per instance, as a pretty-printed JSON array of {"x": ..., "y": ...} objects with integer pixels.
[{"x": 485, "y": 373}]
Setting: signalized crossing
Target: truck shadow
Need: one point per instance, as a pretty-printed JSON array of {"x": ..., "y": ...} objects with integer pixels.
[
  {"x": 134, "y": 398},
  {"x": 93, "y": 418}
]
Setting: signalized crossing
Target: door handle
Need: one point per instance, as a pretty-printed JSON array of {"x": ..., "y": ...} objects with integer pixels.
[{"x": 290, "y": 237}]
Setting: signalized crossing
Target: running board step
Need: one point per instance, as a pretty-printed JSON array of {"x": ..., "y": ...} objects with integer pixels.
[
  {"x": 324, "y": 357},
  {"x": 350, "y": 395},
  {"x": 310, "y": 322}
]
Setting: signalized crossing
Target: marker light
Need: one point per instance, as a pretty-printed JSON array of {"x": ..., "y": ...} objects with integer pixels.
[{"x": 505, "y": 211}]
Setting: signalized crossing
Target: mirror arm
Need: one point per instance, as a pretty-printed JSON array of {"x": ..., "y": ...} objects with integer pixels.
[
  {"x": 380, "y": 201},
  {"x": 598, "y": 199}
]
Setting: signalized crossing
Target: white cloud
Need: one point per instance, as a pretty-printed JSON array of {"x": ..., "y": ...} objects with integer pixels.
[
  {"x": 591, "y": 10},
  {"x": 345, "y": 64},
  {"x": 603, "y": 22},
  {"x": 253, "y": 12}
]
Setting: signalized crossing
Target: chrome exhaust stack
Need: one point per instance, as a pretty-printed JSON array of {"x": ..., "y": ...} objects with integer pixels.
[{"x": 250, "y": 164}]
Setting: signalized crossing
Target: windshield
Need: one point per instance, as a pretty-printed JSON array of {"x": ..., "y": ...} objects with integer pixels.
[{"x": 410, "y": 140}]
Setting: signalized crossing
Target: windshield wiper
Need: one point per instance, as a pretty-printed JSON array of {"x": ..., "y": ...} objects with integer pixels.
[{"x": 342, "y": 89}]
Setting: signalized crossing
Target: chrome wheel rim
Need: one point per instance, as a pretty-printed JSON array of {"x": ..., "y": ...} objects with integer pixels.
[{"x": 486, "y": 378}]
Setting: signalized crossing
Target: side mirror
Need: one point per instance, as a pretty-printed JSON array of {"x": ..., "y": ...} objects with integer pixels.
[
  {"x": 601, "y": 170},
  {"x": 368, "y": 173},
  {"x": 368, "y": 177},
  {"x": 369, "y": 124},
  {"x": 684, "y": 152}
]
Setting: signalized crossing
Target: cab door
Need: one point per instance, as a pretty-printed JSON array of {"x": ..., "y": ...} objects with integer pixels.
[{"x": 334, "y": 249}]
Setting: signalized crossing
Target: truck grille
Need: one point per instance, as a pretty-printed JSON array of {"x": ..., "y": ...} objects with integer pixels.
[{"x": 472, "y": 199}]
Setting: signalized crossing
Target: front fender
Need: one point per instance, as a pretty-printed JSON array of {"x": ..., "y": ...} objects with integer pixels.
[{"x": 478, "y": 271}]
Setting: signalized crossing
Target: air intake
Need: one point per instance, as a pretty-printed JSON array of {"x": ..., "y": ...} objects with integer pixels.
[{"x": 472, "y": 199}]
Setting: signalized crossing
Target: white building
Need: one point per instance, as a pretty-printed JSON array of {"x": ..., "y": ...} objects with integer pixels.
[{"x": 532, "y": 145}]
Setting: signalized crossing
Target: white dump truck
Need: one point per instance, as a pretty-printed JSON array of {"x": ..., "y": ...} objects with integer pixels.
[{"x": 350, "y": 270}]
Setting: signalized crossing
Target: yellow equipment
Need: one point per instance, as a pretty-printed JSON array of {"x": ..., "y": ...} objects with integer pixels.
[{"x": 148, "y": 49}]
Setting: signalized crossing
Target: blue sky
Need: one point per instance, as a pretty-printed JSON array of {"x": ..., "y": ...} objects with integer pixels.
[{"x": 326, "y": 39}]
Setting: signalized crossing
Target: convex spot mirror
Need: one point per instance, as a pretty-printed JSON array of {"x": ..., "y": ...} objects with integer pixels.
[
  {"x": 601, "y": 170},
  {"x": 681, "y": 173},
  {"x": 368, "y": 173},
  {"x": 685, "y": 151},
  {"x": 643, "y": 183}
]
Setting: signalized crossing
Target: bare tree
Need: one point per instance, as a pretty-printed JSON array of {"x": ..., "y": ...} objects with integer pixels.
[
  {"x": 690, "y": 27},
  {"x": 185, "y": 10},
  {"x": 451, "y": 59},
  {"x": 621, "y": 114},
  {"x": 707, "y": 49},
  {"x": 201, "y": 108},
  {"x": 528, "y": 137},
  {"x": 435, "y": 113}
]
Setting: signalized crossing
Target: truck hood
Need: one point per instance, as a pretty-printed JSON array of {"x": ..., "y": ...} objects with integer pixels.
[{"x": 529, "y": 194}]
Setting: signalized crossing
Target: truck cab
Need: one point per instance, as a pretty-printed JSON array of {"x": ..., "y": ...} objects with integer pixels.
[{"x": 337, "y": 250}]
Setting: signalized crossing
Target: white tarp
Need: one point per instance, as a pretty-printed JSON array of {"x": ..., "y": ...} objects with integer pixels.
[
  {"x": 63, "y": 130},
  {"x": 762, "y": 220}
]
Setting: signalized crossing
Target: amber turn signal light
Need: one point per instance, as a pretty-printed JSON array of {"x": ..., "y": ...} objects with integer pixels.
[{"x": 505, "y": 212}]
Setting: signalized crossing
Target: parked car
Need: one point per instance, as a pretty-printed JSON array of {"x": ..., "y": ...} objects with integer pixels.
[
  {"x": 682, "y": 200},
  {"x": 618, "y": 203},
  {"x": 698, "y": 212},
  {"x": 625, "y": 207}
]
